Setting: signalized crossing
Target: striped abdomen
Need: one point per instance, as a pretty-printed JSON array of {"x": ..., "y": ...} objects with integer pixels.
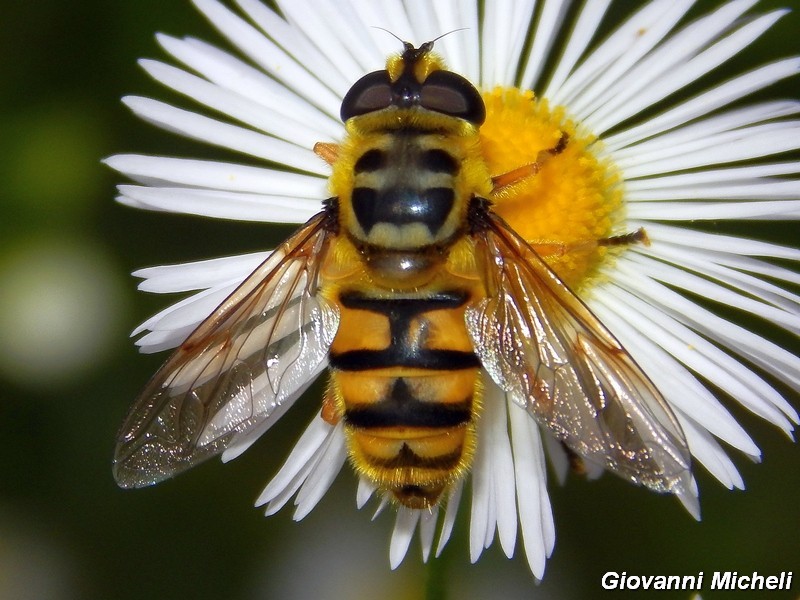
[{"x": 404, "y": 379}]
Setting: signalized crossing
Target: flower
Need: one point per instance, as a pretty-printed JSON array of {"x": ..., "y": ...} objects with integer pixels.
[{"x": 705, "y": 157}]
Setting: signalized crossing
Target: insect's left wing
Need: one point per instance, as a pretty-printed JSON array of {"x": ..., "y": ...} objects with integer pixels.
[
  {"x": 257, "y": 350},
  {"x": 544, "y": 347}
]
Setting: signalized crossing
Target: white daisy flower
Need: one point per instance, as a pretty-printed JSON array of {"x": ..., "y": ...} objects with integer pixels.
[{"x": 636, "y": 158}]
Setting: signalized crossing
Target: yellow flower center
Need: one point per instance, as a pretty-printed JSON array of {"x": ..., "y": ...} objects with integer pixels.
[{"x": 571, "y": 203}]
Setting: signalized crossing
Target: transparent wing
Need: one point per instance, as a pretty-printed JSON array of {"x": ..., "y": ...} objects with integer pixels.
[
  {"x": 256, "y": 351},
  {"x": 543, "y": 346}
]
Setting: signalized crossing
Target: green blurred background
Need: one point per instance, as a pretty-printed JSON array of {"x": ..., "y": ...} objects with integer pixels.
[{"x": 68, "y": 373}]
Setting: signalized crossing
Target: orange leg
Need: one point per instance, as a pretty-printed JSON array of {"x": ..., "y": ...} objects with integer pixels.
[
  {"x": 329, "y": 413},
  {"x": 327, "y": 151},
  {"x": 519, "y": 174},
  {"x": 552, "y": 249}
]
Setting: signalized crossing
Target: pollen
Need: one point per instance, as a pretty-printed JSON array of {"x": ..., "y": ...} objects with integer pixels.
[{"x": 569, "y": 200}]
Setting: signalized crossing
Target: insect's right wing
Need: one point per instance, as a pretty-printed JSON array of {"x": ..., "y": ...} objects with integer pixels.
[
  {"x": 257, "y": 350},
  {"x": 543, "y": 346}
]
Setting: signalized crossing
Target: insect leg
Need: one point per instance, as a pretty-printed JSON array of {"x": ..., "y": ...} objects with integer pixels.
[
  {"x": 330, "y": 413},
  {"x": 549, "y": 249},
  {"x": 515, "y": 176},
  {"x": 634, "y": 237},
  {"x": 327, "y": 151}
]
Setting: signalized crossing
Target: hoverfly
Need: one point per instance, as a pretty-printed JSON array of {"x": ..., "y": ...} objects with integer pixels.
[{"x": 406, "y": 286}]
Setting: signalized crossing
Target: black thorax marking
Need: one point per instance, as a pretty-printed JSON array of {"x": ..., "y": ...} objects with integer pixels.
[{"x": 404, "y": 183}]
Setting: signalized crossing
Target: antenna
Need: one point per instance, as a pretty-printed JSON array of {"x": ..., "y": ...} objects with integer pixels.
[{"x": 429, "y": 44}]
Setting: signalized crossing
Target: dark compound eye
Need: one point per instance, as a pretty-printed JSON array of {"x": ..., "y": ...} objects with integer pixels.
[
  {"x": 370, "y": 93},
  {"x": 451, "y": 94},
  {"x": 444, "y": 92}
]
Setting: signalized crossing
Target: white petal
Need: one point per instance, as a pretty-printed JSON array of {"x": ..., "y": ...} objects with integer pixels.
[
  {"x": 221, "y": 205},
  {"x": 365, "y": 490},
  {"x": 691, "y": 500},
  {"x": 593, "y": 472},
  {"x": 533, "y": 501},
  {"x": 269, "y": 56},
  {"x": 493, "y": 496},
  {"x": 453, "y": 502},
  {"x": 623, "y": 47},
  {"x": 706, "y": 179},
  {"x": 482, "y": 508},
  {"x": 706, "y": 102},
  {"x": 711, "y": 455},
  {"x": 189, "y": 311},
  {"x": 583, "y": 30},
  {"x": 384, "y": 502},
  {"x": 667, "y": 58},
  {"x": 656, "y": 78},
  {"x": 404, "y": 527},
  {"x": 736, "y": 339},
  {"x": 725, "y": 122},
  {"x": 233, "y": 105},
  {"x": 700, "y": 286},
  {"x": 289, "y": 35},
  {"x": 184, "y": 277},
  {"x": 158, "y": 341},
  {"x": 713, "y": 265},
  {"x": 503, "y": 473},
  {"x": 389, "y": 16},
  {"x": 427, "y": 530},
  {"x": 282, "y": 496},
  {"x": 327, "y": 467},
  {"x": 501, "y": 33},
  {"x": 664, "y": 359},
  {"x": 668, "y": 153},
  {"x": 731, "y": 190},
  {"x": 229, "y": 72},
  {"x": 762, "y": 399},
  {"x": 557, "y": 455},
  {"x": 724, "y": 244},
  {"x": 161, "y": 170},
  {"x": 613, "y": 79},
  {"x": 545, "y": 36},
  {"x": 224, "y": 135},
  {"x": 423, "y": 20},
  {"x": 323, "y": 29},
  {"x": 461, "y": 48},
  {"x": 692, "y": 211},
  {"x": 299, "y": 462}
]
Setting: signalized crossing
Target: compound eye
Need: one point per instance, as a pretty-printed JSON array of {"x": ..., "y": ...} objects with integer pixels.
[
  {"x": 451, "y": 94},
  {"x": 370, "y": 93}
]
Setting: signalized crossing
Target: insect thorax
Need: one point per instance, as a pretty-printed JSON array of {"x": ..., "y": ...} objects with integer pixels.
[{"x": 404, "y": 179}]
